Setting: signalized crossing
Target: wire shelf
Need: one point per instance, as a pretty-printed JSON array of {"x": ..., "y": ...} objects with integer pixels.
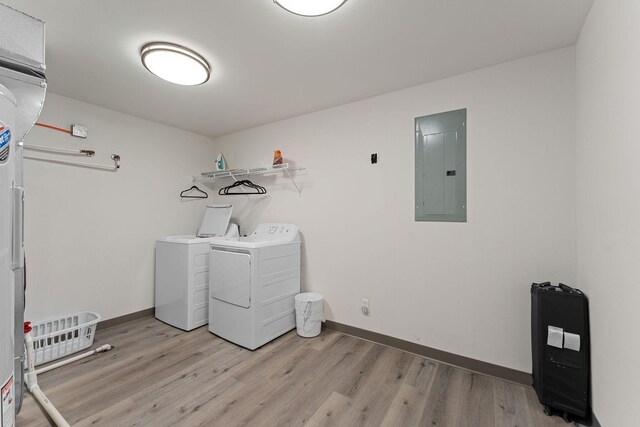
[{"x": 263, "y": 170}]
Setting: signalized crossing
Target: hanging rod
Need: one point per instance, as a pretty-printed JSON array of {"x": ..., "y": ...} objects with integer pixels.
[
  {"x": 88, "y": 153},
  {"x": 114, "y": 167}
]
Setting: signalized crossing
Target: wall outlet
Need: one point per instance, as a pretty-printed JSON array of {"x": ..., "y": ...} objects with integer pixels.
[{"x": 365, "y": 307}]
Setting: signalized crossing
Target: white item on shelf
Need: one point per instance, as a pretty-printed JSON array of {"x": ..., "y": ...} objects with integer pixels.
[
  {"x": 221, "y": 163},
  {"x": 253, "y": 284},
  {"x": 62, "y": 336},
  {"x": 309, "y": 314},
  {"x": 182, "y": 270}
]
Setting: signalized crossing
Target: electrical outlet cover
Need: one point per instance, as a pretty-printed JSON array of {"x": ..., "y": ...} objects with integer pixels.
[{"x": 365, "y": 307}]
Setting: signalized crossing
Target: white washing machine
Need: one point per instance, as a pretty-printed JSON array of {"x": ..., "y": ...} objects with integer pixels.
[
  {"x": 253, "y": 284},
  {"x": 182, "y": 270}
]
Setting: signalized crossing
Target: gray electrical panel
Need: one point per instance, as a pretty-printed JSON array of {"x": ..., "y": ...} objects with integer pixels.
[{"x": 441, "y": 167}]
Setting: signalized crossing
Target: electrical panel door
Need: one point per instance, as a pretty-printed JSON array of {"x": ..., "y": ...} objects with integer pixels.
[{"x": 441, "y": 175}]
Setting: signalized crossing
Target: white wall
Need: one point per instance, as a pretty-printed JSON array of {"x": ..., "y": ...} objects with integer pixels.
[
  {"x": 462, "y": 288},
  {"x": 608, "y": 202},
  {"x": 90, "y": 234}
]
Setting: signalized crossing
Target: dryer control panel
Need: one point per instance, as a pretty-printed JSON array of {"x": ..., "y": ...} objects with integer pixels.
[
  {"x": 275, "y": 231},
  {"x": 269, "y": 234}
]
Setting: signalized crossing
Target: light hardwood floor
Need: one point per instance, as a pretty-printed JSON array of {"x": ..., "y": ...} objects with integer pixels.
[{"x": 160, "y": 376}]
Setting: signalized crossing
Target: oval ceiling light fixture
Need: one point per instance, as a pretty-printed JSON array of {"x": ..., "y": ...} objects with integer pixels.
[
  {"x": 310, "y": 7},
  {"x": 175, "y": 63}
]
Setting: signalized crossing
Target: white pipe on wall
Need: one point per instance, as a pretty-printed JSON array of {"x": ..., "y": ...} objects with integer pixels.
[{"x": 115, "y": 167}]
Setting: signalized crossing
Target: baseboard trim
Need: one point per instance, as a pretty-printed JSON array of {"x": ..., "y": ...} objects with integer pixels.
[
  {"x": 468, "y": 363},
  {"x": 109, "y": 323}
]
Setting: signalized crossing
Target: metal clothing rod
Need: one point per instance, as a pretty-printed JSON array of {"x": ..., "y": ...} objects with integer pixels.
[
  {"x": 88, "y": 153},
  {"x": 114, "y": 167}
]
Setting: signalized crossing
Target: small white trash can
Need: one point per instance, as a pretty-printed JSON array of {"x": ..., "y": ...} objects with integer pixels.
[{"x": 309, "y": 314}]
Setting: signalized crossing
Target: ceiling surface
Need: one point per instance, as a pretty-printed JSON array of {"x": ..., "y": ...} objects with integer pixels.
[{"x": 268, "y": 64}]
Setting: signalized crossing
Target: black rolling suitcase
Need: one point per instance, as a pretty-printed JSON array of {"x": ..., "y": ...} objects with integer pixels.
[{"x": 560, "y": 350}]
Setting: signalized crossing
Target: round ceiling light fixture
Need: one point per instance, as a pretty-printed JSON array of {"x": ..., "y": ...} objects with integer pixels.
[
  {"x": 175, "y": 63},
  {"x": 310, "y": 7}
]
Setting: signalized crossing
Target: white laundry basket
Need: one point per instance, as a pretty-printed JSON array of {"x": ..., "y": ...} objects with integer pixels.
[
  {"x": 309, "y": 314},
  {"x": 62, "y": 336}
]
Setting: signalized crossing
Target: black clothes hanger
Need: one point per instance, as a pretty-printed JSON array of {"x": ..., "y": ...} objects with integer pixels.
[
  {"x": 257, "y": 189},
  {"x": 225, "y": 191},
  {"x": 202, "y": 195}
]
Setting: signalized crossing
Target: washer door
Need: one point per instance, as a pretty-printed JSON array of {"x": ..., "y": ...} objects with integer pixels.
[{"x": 231, "y": 277}]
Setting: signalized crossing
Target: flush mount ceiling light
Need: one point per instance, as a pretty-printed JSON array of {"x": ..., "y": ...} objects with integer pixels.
[
  {"x": 310, "y": 7},
  {"x": 175, "y": 64}
]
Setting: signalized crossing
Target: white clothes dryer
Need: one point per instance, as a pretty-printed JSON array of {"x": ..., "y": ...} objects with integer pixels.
[
  {"x": 182, "y": 270},
  {"x": 253, "y": 283}
]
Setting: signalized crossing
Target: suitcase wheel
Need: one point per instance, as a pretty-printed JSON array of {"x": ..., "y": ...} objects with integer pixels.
[{"x": 547, "y": 410}]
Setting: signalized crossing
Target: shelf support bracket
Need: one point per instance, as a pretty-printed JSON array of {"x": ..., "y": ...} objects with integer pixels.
[{"x": 293, "y": 181}]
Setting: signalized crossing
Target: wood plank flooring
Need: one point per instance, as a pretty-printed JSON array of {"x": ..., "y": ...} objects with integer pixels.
[{"x": 160, "y": 376}]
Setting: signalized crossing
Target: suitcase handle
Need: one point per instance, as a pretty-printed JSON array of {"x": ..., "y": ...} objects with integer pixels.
[
  {"x": 566, "y": 288},
  {"x": 543, "y": 284}
]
